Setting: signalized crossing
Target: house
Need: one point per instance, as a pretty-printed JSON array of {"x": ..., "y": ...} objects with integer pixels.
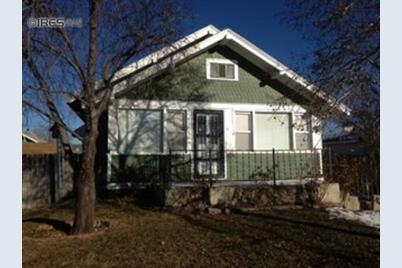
[
  {"x": 33, "y": 145},
  {"x": 210, "y": 107},
  {"x": 40, "y": 171},
  {"x": 347, "y": 143},
  {"x": 29, "y": 137}
]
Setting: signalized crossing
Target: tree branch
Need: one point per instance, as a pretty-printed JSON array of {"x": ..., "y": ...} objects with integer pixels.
[{"x": 44, "y": 113}]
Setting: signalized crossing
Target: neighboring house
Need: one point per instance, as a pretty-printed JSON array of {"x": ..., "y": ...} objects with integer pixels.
[
  {"x": 41, "y": 170},
  {"x": 32, "y": 144},
  {"x": 211, "y": 106},
  {"x": 76, "y": 148},
  {"x": 346, "y": 144},
  {"x": 28, "y": 137}
]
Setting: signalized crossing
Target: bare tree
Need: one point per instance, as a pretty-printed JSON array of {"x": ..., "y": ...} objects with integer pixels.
[
  {"x": 345, "y": 59},
  {"x": 84, "y": 62}
]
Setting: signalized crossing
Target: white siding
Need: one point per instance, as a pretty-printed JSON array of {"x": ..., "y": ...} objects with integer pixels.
[{"x": 117, "y": 133}]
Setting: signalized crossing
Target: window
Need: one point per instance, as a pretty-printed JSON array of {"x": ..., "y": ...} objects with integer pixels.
[
  {"x": 243, "y": 133},
  {"x": 222, "y": 69},
  {"x": 272, "y": 131},
  {"x": 302, "y": 128},
  {"x": 176, "y": 129},
  {"x": 214, "y": 128},
  {"x": 201, "y": 129},
  {"x": 140, "y": 131}
]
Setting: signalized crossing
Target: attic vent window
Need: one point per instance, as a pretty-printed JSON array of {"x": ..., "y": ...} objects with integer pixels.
[{"x": 222, "y": 69}]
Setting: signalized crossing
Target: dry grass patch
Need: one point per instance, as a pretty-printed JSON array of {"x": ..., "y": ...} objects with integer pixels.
[{"x": 152, "y": 238}]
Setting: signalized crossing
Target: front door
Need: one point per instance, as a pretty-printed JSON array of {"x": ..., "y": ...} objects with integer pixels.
[{"x": 208, "y": 143}]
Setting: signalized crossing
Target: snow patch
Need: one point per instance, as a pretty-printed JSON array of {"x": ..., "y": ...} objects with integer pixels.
[{"x": 367, "y": 217}]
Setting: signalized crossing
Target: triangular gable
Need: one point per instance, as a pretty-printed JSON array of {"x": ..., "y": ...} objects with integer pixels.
[
  {"x": 188, "y": 83},
  {"x": 208, "y": 37},
  {"x": 277, "y": 74}
]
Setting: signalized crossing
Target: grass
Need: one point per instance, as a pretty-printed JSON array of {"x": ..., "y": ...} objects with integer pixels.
[{"x": 152, "y": 238}]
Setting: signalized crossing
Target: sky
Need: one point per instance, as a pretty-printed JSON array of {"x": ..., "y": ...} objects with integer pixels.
[{"x": 261, "y": 22}]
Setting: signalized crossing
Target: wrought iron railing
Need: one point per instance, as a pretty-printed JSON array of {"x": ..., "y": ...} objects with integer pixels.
[{"x": 181, "y": 166}]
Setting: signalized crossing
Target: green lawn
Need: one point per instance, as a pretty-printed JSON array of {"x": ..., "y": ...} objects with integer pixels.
[{"x": 151, "y": 238}]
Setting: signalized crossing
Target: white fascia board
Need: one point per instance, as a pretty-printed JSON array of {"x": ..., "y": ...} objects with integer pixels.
[
  {"x": 154, "y": 57},
  {"x": 176, "y": 58},
  {"x": 284, "y": 74},
  {"x": 231, "y": 35},
  {"x": 29, "y": 137}
]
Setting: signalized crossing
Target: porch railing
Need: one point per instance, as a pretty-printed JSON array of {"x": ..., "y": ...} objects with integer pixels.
[{"x": 182, "y": 166}]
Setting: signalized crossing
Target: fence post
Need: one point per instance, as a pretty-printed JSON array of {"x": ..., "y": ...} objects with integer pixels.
[
  {"x": 58, "y": 169},
  {"x": 168, "y": 175},
  {"x": 330, "y": 162},
  {"x": 273, "y": 166},
  {"x": 51, "y": 174},
  {"x": 162, "y": 170},
  {"x": 210, "y": 167}
]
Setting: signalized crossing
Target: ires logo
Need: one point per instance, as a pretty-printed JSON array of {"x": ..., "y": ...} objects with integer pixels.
[
  {"x": 42, "y": 14},
  {"x": 46, "y": 23}
]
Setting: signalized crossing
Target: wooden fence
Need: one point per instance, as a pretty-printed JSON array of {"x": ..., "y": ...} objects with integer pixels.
[
  {"x": 46, "y": 178},
  {"x": 357, "y": 174},
  {"x": 39, "y": 149}
]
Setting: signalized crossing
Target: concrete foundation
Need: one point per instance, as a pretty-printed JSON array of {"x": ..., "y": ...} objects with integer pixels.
[
  {"x": 221, "y": 195},
  {"x": 236, "y": 196},
  {"x": 352, "y": 202},
  {"x": 186, "y": 196},
  {"x": 331, "y": 194}
]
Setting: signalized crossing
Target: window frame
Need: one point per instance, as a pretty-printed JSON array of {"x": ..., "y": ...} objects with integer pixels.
[
  {"x": 308, "y": 131},
  {"x": 222, "y": 61},
  {"x": 250, "y": 132}
]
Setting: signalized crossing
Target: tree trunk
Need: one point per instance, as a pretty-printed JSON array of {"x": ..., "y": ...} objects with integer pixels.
[{"x": 86, "y": 191}]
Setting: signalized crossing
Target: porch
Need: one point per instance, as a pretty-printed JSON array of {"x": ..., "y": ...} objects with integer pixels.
[{"x": 215, "y": 167}]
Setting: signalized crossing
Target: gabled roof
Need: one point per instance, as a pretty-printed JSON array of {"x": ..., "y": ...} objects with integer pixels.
[
  {"x": 208, "y": 37},
  {"x": 164, "y": 53}
]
